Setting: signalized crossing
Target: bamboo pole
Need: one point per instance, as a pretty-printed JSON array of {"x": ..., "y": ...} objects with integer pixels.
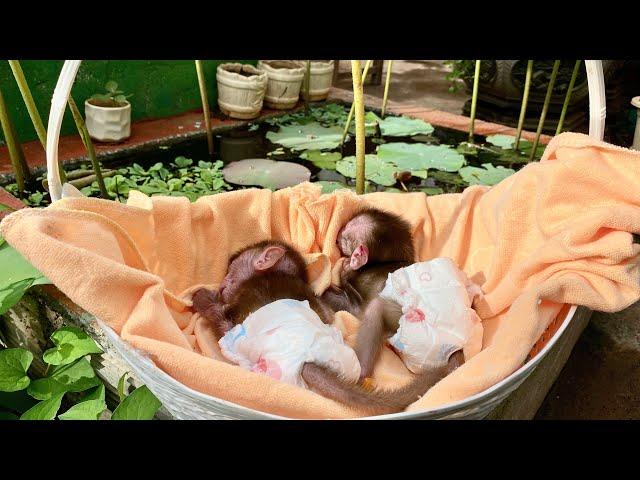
[
  {"x": 474, "y": 99},
  {"x": 16, "y": 155},
  {"x": 386, "y": 88},
  {"x": 545, "y": 107},
  {"x": 206, "y": 112},
  {"x": 358, "y": 103},
  {"x": 34, "y": 114},
  {"x": 86, "y": 139},
  {"x": 567, "y": 98},
  {"x": 525, "y": 101},
  {"x": 307, "y": 87},
  {"x": 350, "y": 116}
]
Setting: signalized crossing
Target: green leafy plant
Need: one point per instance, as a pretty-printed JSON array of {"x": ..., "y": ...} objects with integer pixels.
[
  {"x": 70, "y": 380},
  {"x": 16, "y": 277},
  {"x": 112, "y": 98}
]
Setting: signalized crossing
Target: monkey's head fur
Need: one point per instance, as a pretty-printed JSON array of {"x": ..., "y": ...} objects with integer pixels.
[
  {"x": 379, "y": 235},
  {"x": 261, "y": 258}
]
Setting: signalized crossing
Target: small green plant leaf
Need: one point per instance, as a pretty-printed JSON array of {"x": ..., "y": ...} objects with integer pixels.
[
  {"x": 14, "y": 363},
  {"x": 76, "y": 377},
  {"x": 70, "y": 343},
  {"x": 12, "y": 294},
  {"x": 404, "y": 127},
  {"x": 122, "y": 394},
  {"x": 45, "y": 410},
  {"x": 329, "y": 187},
  {"x": 489, "y": 175},
  {"x": 89, "y": 408},
  {"x": 432, "y": 190},
  {"x": 183, "y": 162},
  {"x": 141, "y": 404},
  {"x": 111, "y": 86}
]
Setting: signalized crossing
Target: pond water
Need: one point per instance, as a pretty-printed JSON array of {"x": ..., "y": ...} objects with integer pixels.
[{"x": 402, "y": 164}]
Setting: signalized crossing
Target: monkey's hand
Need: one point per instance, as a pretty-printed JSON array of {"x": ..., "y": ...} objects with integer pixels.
[{"x": 202, "y": 299}]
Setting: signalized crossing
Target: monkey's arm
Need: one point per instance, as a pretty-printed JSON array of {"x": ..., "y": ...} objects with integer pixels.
[{"x": 369, "y": 339}]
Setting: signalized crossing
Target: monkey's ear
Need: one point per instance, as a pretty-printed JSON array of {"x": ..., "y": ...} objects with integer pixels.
[
  {"x": 269, "y": 257},
  {"x": 359, "y": 257}
]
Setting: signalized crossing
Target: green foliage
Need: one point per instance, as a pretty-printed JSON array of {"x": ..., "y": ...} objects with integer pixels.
[
  {"x": 460, "y": 70},
  {"x": 141, "y": 404},
  {"x": 112, "y": 98},
  {"x": 14, "y": 363},
  {"x": 16, "y": 277},
  {"x": 72, "y": 375},
  {"x": 326, "y": 115},
  {"x": 70, "y": 344},
  {"x": 418, "y": 157}
]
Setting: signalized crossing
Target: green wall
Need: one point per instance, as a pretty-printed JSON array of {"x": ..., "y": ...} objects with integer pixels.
[{"x": 160, "y": 87}]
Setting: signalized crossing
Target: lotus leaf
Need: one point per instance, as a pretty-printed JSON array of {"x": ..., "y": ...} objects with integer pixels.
[
  {"x": 489, "y": 175},
  {"x": 311, "y": 136},
  {"x": 266, "y": 173}
]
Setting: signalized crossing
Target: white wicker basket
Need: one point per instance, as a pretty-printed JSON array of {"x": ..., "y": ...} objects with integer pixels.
[
  {"x": 321, "y": 78},
  {"x": 185, "y": 403}
]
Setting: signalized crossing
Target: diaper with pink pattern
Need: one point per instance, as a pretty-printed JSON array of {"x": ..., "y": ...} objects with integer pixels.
[
  {"x": 437, "y": 318},
  {"x": 277, "y": 339}
]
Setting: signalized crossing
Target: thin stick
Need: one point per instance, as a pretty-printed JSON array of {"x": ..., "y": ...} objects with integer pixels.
[
  {"x": 86, "y": 139},
  {"x": 474, "y": 99},
  {"x": 567, "y": 98},
  {"x": 307, "y": 87},
  {"x": 34, "y": 114},
  {"x": 525, "y": 100},
  {"x": 16, "y": 155},
  {"x": 202, "y": 84},
  {"x": 386, "y": 87},
  {"x": 358, "y": 103},
  {"x": 350, "y": 116},
  {"x": 545, "y": 107}
]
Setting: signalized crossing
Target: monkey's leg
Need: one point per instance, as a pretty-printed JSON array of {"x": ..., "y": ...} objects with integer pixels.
[
  {"x": 369, "y": 339},
  {"x": 339, "y": 299}
]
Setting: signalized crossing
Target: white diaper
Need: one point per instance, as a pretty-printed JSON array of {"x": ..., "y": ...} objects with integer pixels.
[
  {"x": 437, "y": 318},
  {"x": 280, "y": 337}
]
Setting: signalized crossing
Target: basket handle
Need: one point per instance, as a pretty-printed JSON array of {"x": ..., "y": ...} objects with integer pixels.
[
  {"x": 58, "y": 107},
  {"x": 597, "y": 98},
  {"x": 595, "y": 80}
]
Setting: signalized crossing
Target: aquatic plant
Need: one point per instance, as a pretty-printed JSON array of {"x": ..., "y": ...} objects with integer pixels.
[
  {"x": 266, "y": 173},
  {"x": 545, "y": 107}
]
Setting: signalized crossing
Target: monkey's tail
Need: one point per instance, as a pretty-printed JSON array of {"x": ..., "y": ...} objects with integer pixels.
[{"x": 328, "y": 383}]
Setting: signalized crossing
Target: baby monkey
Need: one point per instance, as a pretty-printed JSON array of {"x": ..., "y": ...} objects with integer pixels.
[{"x": 271, "y": 270}]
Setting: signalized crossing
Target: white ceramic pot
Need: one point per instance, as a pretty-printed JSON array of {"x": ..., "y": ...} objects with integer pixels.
[
  {"x": 241, "y": 90},
  {"x": 283, "y": 86},
  {"x": 108, "y": 124},
  {"x": 321, "y": 78}
]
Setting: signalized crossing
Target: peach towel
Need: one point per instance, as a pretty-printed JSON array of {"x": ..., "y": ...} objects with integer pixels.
[{"x": 557, "y": 232}]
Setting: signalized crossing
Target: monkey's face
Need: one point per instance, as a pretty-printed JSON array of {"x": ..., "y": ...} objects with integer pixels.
[
  {"x": 352, "y": 240},
  {"x": 240, "y": 269}
]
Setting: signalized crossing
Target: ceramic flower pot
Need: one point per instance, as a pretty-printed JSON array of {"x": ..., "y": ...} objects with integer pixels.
[{"x": 108, "y": 124}]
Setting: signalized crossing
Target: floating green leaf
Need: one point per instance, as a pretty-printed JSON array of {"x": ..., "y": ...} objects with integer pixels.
[
  {"x": 330, "y": 187},
  {"x": 76, "y": 377},
  {"x": 266, "y": 173},
  {"x": 489, "y": 175},
  {"x": 141, "y": 404},
  {"x": 447, "y": 177},
  {"x": 376, "y": 169},
  {"x": 371, "y": 121},
  {"x": 404, "y": 127},
  {"x": 89, "y": 408},
  {"x": 14, "y": 363},
  {"x": 311, "y": 136},
  {"x": 418, "y": 157},
  {"x": 70, "y": 343},
  {"x": 502, "y": 141},
  {"x": 325, "y": 160},
  {"x": 45, "y": 410},
  {"x": 182, "y": 162},
  {"x": 466, "y": 148}
]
